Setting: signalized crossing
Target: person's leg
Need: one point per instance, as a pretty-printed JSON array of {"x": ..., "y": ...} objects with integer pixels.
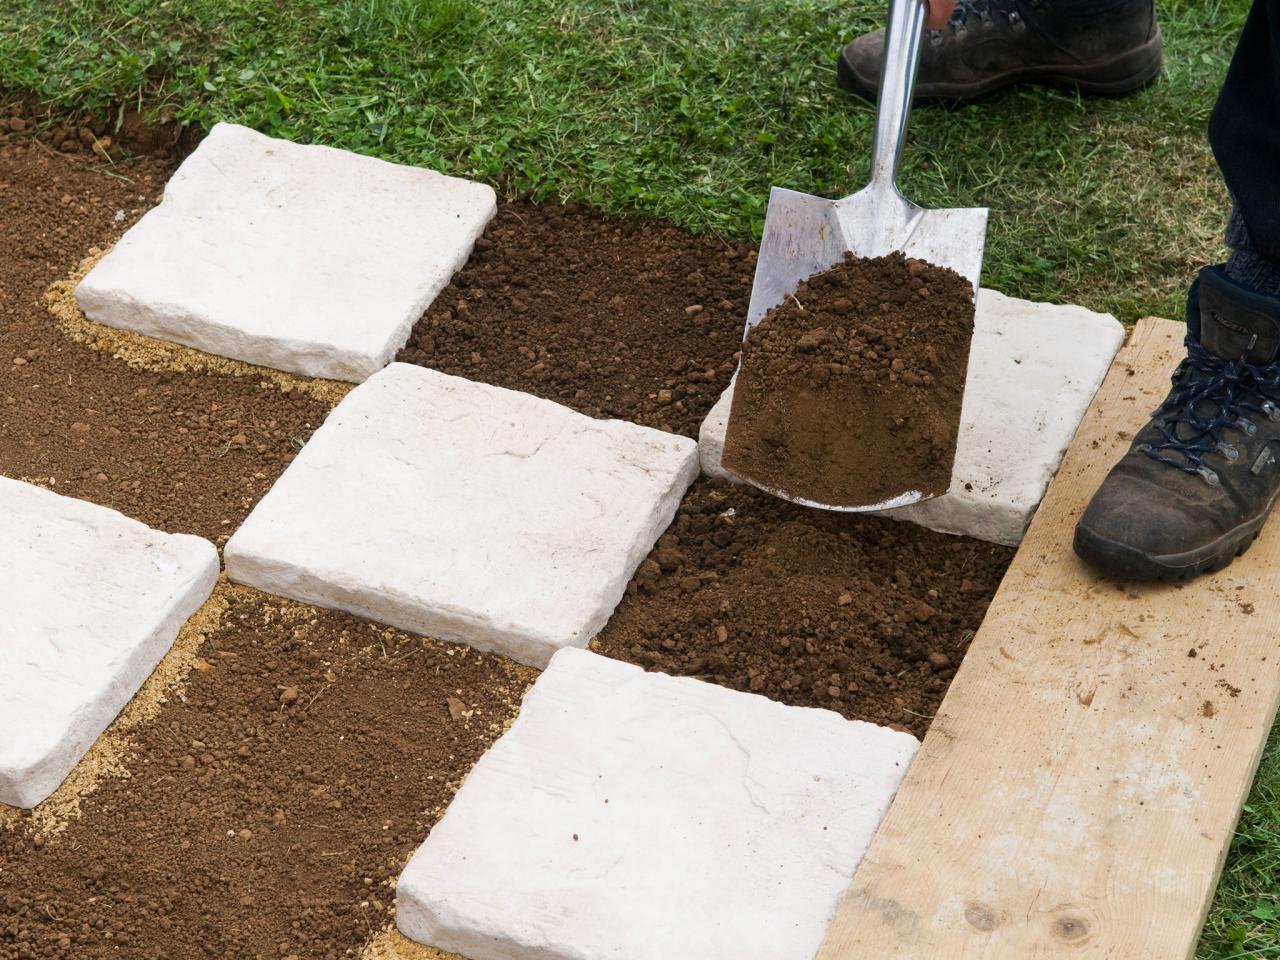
[
  {"x": 1245, "y": 134},
  {"x": 1248, "y": 264},
  {"x": 1201, "y": 477},
  {"x": 1096, "y": 46}
]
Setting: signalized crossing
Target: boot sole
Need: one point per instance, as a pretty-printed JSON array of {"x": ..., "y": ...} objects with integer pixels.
[
  {"x": 1129, "y": 563},
  {"x": 1117, "y": 77}
]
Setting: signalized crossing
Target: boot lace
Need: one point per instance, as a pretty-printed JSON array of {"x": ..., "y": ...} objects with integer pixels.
[
  {"x": 1210, "y": 395},
  {"x": 983, "y": 11}
]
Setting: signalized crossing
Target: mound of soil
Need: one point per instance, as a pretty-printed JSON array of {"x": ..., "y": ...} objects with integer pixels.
[
  {"x": 633, "y": 320},
  {"x": 272, "y": 805},
  {"x": 850, "y": 389},
  {"x": 862, "y": 615}
]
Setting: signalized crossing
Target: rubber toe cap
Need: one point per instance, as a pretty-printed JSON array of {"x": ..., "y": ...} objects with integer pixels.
[
  {"x": 1138, "y": 529},
  {"x": 859, "y": 66}
]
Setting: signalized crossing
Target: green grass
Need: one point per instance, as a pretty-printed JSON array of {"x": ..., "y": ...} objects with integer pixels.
[
  {"x": 672, "y": 108},
  {"x": 1245, "y": 919},
  {"x": 689, "y": 110}
]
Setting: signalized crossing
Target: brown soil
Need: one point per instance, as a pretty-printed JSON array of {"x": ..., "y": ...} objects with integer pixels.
[
  {"x": 326, "y": 794},
  {"x": 259, "y": 796},
  {"x": 270, "y": 806},
  {"x": 182, "y": 452},
  {"x": 638, "y": 321},
  {"x": 123, "y": 134},
  {"x": 862, "y": 615},
  {"x": 850, "y": 389}
]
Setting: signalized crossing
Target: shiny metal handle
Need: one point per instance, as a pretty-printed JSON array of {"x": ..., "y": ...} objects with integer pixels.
[{"x": 902, "y": 38}]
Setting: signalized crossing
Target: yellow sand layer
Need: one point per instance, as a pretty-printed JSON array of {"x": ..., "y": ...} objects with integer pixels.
[
  {"x": 147, "y": 353},
  {"x": 107, "y": 755},
  {"x": 390, "y": 944}
]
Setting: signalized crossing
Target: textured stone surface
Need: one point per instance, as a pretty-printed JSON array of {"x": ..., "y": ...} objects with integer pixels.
[
  {"x": 1033, "y": 369},
  {"x": 712, "y": 432},
  {"x": 466, "y": 512},
  {"x": 303, "y": 258},
  {"x": 91, "y": 602},
  {"x": 632, "y": 816}
]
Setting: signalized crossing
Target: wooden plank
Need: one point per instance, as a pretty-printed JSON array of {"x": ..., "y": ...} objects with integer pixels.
[{"x": 1077, "y": 792}]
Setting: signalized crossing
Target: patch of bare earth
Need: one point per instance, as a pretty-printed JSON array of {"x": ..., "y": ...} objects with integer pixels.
[{"x": 261, "y": 793}]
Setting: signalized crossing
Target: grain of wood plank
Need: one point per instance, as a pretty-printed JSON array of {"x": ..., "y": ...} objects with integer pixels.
[{"x": 1076, "y": 795}]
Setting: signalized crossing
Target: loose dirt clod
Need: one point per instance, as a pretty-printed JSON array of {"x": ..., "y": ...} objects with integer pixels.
[
  {"x": 850, "y": 389},
  {"x": 861, "y": 615}
]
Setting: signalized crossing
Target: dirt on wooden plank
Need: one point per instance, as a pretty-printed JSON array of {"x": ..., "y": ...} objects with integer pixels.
[{"x": 850, "y": 389}]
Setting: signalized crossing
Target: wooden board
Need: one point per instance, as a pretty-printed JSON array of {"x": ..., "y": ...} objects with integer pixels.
[{"x": 1077, "y": 792}]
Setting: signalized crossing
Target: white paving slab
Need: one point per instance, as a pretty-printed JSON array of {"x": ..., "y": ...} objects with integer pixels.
[
  {"x": 91, "y": 601},
  {"x": 304, "y": 258},
  {"x": 1033, "y": 371},
  {"x": 466, "y": 512},
  {"x": 633, "y": 816}
]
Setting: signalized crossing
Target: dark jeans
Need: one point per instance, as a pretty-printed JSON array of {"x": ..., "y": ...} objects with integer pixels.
[{"x": 1245, "y": 128}]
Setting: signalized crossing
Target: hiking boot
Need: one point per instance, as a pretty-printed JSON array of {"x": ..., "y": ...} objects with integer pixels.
[
  {"x": 1109, "y": 47},
  {"x": 1196, "y": 486}
]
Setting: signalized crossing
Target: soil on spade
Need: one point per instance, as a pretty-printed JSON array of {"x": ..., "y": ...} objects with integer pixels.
[
  {"x": 270, "y": 806},
  {"x": 850, "y": 389}
]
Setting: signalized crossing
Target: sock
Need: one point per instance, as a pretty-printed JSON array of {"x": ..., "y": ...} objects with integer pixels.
[{"x": 1245, "y": 266}]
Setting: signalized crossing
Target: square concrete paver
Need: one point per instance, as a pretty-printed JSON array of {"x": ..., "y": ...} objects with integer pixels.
[
  {"x": 466, "y": 512},
  {"x": 91, "y": 602},
  {"x": 632, "y": 816},
  {"x": 1033, "y": 370},
  {"x": 303, "y": 258}
]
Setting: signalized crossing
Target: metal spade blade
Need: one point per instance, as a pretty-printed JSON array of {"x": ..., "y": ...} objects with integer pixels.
[{"x": 805, "y": 234}]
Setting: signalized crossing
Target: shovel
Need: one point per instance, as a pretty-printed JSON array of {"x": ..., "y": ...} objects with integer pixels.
[{"x": 804, "y": 234}]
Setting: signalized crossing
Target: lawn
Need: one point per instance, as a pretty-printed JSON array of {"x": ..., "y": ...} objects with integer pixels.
[{"x": 688, "y": 111}]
